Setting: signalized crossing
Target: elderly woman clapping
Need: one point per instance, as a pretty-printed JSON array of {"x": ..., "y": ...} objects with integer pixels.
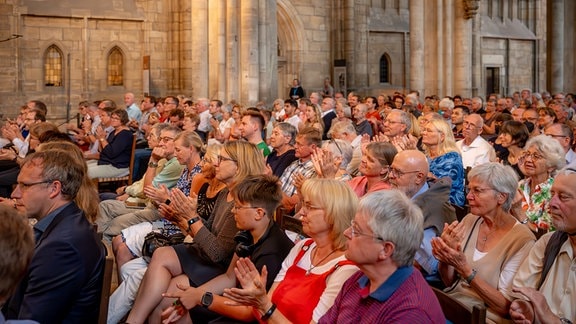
[
  {"x": 541, "y": 158},
  {"x": 480, "y": 255}
]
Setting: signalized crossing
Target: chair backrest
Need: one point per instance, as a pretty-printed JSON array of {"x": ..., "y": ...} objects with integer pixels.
[
  {"x": 127, "y": 178},
  {"x": 457, "y": 313},
  {"x": 132, "y": 156},
  {"x": 106, "y": 287},
  {"x": 289, "y": 223}
]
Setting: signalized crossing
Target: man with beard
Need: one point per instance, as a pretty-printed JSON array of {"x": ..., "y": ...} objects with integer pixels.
[{"x": 408, "y": 173}]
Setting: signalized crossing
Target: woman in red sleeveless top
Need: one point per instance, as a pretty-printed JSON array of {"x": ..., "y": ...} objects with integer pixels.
[{"x": 314, "y": 271}]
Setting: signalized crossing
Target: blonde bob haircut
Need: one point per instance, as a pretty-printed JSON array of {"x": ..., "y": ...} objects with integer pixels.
[
  {"x": 249, "y": 159},
  {"x": 448, "y": 144},
  {"x": 337, "y": 200}
]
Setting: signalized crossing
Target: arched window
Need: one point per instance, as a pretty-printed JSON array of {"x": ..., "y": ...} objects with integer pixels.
[
  {"x": 385, "y": 68},
  {"x": 115, "y": 67},
  {"x": 53, "y": 67}
]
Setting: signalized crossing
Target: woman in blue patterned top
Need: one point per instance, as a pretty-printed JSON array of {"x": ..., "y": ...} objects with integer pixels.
[{"x": 444, "y": 158}]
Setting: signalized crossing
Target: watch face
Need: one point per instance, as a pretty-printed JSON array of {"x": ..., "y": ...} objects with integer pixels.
[{"x": 207, "y": 299}]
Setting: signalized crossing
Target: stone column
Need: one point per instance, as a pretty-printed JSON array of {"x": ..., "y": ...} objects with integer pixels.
[
  {"x": 462, "y": 66},
  {"x": 349, "y": 40},
  {"x": 448, "y": 41},
  {"x": 268, "y": 68},
  {"x": 417, "y": 75},
  {"x": 217, "y": 55},
  {"x": 556, "y": 36},
  {"x": 232, "y": 52},
  {"x": 249, "y": 54},
  {"x": 199, "y": 70}
]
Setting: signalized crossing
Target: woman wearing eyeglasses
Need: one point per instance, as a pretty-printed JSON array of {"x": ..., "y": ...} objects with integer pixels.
[
  {"x": 115, "y": 149},
  {"x": 314, "y": 270},
  {"x": 542, "y": 157},
  {"x": 213, "y": 247},
  {"x": 480, "y": 255}
]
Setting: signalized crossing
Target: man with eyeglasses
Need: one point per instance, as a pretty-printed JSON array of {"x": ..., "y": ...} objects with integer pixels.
[
  {"x": 64, "y": 281},
  {"x": 163, "y": 170},
  {"x": 388, "y": 288},
  {"x": 408, "y": 174},
  {"x": 563, "y": 135},
  {"x": 474, "y": 148}
]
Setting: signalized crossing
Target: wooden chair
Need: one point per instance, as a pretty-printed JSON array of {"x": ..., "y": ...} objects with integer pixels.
[
  {"x": 457, "y": 313},
  {"x": 288, "y": 222},
  {"x": 106, "y": 287},
  {"x": 125, "y": 179}
]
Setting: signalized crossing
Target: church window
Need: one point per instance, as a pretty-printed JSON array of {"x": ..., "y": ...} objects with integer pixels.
[
  {"x": 115, "y": 67},
  {"x": 385, "y": 68},
  {"x": 53, "y": 67}
]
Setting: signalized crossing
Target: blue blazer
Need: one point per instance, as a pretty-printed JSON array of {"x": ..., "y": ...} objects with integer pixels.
[{"x": 64, "y": 280}]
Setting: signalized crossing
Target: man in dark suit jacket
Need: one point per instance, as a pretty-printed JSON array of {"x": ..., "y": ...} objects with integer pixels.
[
  {"x": 328, "y": 114},
  {"x": 63, "y": 282}
]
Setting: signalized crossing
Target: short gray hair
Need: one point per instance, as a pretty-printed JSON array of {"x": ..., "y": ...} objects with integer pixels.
[
  {"x": 340, "y": 148},
  {"x": 395, "y": 218},
  {"x": 288, "y": 129},
  {"x": 550, "y": 149},
  {"x": 404, "y": 118},
  {"x": 499, "y": 177}
]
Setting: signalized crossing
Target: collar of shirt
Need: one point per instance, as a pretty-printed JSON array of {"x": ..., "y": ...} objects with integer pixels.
[
  {"x": 388, "y": 288},
  {"x": 422, "y": 190},
  {"x": 43, "y": 224},
  {"x": 324, "y": 113}
]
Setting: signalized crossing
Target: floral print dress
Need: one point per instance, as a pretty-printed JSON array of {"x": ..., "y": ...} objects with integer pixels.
[{"x": 536, "y": 204}]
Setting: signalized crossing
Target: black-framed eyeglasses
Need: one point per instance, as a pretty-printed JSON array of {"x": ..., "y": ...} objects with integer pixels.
[
  {"x": 356, "y": 233},
  {"x": 25, "y": 186},
  {"x": 166, "y": 139},
  {"x": 224, "y": 158}
]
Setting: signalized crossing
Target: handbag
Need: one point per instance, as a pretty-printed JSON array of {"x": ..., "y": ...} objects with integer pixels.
[{"x": 155, "y": 240}]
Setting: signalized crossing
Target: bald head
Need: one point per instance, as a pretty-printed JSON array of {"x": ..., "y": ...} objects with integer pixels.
[{"x": 409, "y": 171}]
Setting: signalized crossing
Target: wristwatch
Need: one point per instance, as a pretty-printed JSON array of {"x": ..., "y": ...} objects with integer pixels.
[
  {"x": 207, "y": 299},
  {"x": 152, "y": 164},
  {"x": 192, "y": 221}
]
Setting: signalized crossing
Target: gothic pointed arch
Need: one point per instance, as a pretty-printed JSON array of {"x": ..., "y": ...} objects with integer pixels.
[
  {"x": 115, "y": 65},
  {"x": 384, "y": 68},
  {"x": 53, "y": 66},
  {"x": 291, "y": 45}
]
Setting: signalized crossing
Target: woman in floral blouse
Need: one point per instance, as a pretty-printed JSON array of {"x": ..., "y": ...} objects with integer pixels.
[{"x": 541, "y": 158}]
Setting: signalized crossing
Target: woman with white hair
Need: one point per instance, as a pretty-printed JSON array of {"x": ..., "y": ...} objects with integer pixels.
[
  {"x": 331, "y": 161},
  {"x": 480, "y": 255},
  {"x": 542, "y": 157}
]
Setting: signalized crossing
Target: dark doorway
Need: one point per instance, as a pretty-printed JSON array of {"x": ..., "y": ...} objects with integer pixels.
[{"x": 492, "y": 80}]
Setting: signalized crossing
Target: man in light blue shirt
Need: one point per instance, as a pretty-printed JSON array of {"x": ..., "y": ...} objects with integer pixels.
[{"x": 408, "y": 173}]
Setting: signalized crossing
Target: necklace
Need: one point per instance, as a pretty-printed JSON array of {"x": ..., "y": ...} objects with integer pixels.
[
  {"x": 485, "y": 238},
  {"x": 312, "y": 266}
]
